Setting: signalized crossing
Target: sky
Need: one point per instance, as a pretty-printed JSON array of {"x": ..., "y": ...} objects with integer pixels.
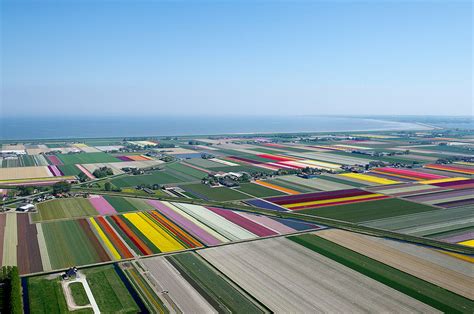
[{"x": 108, "y": 58}]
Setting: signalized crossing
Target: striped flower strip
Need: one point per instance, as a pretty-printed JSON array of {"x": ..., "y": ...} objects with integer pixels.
[
  {"x": 55, "y": 160},
  {"x": 114, "y": 238},
  {"x": 369, "y": 178},
  {"x": 276, "y": 157},
  {"x": 461, "y": 184},
  {"x": 101, "y": 205},
  {"x": 185, "y": 223},
  {"x": 409, "y": 174},
  {"x": 156, "y": 235},
  {"x": 329, "y": 198},
  {"x": 107, "y": 244},
  {"x": 456, "y": 169},
  {"x": 124, "y": 158},
  {"x": 336, "y": 201},
  {"x": 244, "y": 222},
  {"x": 290, "y": 199},
  {"x": 456, "y": 179},
  {"x": 254, "y": 162},
  {"x": 144, "y": 249},
  {"x": 268, "y": 222},
  {"x": 85, "y": 171},
  {"x": 175, "y": 231},
  {"x": 277, "y": 187},
  {"x": 55, "y": 171}
]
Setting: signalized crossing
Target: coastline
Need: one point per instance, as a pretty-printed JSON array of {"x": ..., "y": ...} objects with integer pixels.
[{"x": 397, "y": 126}]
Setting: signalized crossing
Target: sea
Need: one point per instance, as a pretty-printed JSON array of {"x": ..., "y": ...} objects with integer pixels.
[{"x": 22, "y": 128}]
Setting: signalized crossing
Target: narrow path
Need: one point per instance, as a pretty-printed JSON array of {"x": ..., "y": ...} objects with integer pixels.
[{"x": 69, "y": 298}]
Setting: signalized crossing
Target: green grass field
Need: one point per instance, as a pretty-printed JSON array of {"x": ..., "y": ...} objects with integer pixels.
[
  {"x": 257, "y": 190},
  {"x": 109, "y": 290},
  {"x": 68, "y": 244},
  {"x": 371, "y": 210},
  {"x": 157, "y": 177},
  {"x": 64, "y": 208},
  {"x": 78, "y": 293},
  {"x": 419, "y": 289},
  {"x": 197, "y": 174},
  {"x": 120, "y": 204},
  {"x": 217, "y": 194},
  {"x": 46, "y": 296},
  {"x": 139, "y": 204},
  {"x": 27, "y": 161},
  {"x": 293, "y": 186},
  {"x": 69, "y": 170},
  {"x": 56, "y": 145},
  {"x": 245, "y": 168},
  {"x": 86, "y": 158},
  {"x": 212, "y": 285},
  {"x": 203, "y": 163}
]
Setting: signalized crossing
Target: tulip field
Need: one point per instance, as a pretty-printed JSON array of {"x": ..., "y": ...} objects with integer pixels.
[{"x": 336, "y": 222}]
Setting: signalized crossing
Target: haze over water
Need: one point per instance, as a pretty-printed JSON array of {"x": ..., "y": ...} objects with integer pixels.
[{"x": 57, "y": 127}]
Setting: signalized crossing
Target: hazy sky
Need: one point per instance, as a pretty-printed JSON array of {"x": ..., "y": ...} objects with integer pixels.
[{"x": 228, "y": 57}]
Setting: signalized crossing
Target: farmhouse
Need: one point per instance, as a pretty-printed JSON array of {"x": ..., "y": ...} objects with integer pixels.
[{"x": 26, "y": 208}]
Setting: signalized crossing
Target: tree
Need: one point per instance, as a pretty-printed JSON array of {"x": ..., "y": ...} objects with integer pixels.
[
  {"x": 10, "y": 277},
  {"x": 82, "y": 177},
  {"x": 61, "y": 187},
  {"x": 25, "y": 190},
  {"x": 107, "y": 186},
  {"x": 16, "y": 305},
  {"x": 102, "y": 172}
]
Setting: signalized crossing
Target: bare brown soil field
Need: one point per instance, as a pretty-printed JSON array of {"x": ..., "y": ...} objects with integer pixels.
[
  {"x": 287, "y": 277},
  {"x": 29, "y": 256},
  {"x": 423, "y": 269},
  {"x": 179, "y": 292},
  {"x": 24, "y": 173}
]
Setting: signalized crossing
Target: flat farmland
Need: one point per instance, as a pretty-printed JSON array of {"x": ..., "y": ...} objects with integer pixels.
[
  {"x": 86, "y": 158},
  {"x": 110, "y": 292},
  {"x": 419, "y": 289},
  {"x": 64, "y": 208},
  {"x": 28, "y": 251},
  {"x": 258, "y": 190},
  {"x": 24, "y": 173},
  {"x": 46, "y": 296},
  {"x": 448, "y": 279},
  {"x": 371, "y": 210},
  {"x": 72, "y": 242},
  {"x": 427, "y": 223},
  {"x": 204, "y": 163},
  {"x": 157, "y": 177},
  {"x": 286, "y": 277},
  {"x": 194, "y": 173},
  {"x": 126, "y": 204},
  {"x": 213, "y": 193},
  {"x": 316, "y": 183},
  {"x": 69, "y": 170},
  {"x": 180, "y": 293},
  {"x": 224, "y": 296}
]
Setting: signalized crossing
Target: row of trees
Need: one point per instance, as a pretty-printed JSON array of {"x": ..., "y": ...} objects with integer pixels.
[{"x": 10, "y": 277}]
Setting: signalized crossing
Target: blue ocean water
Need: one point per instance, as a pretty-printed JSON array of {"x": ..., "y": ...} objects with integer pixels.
[{"x": 20, "y": 128}]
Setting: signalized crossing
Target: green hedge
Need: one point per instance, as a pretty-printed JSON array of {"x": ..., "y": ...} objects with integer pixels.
[{"x": 12, "y": 298}]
